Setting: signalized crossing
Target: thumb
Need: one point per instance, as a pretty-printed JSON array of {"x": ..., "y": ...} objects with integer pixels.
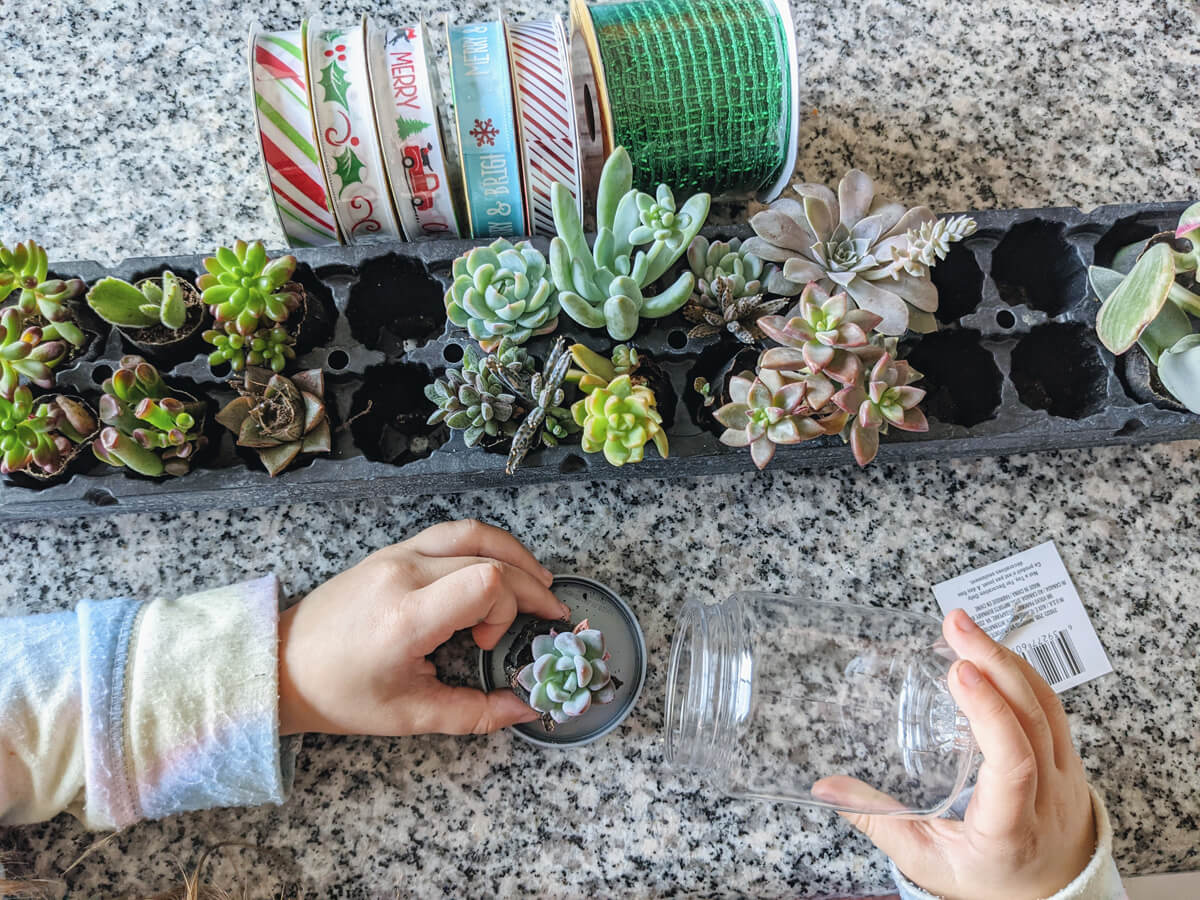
[
  {"x": 463, "y": 710},
  {"x": 901, "y": 839}
]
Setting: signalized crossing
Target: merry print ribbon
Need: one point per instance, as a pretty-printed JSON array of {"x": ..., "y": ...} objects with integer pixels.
[
  {"x": 287, "y": 138},
  {"x": 347, "y": 138},
  {"x": 404, "y": 86},
  {"x": 542, "y": 88},
  {"x": 487, "y": 136}
]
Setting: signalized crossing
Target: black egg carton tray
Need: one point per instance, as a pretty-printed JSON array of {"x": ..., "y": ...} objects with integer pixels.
[{"x": 1015, "y": 367}]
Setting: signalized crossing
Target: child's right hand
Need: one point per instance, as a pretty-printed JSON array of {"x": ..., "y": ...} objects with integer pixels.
[
  {"x": 352, "y": 654},
  {"x": 1029, "y": 829}
]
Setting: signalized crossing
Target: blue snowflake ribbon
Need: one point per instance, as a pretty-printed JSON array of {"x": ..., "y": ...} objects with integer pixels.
[{"x": 487, "y": 134}]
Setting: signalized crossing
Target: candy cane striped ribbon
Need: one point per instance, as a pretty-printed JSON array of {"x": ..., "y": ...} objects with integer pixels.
[
  {"x": 287, "y": 138},
  {"x": 537, "y": 53}
]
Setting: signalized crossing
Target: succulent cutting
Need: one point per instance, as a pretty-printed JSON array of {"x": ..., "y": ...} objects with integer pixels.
[
  {"x": 279, "y": 417},
  {"x": 569, "y": 672},
  {"x": 475, "y": 401},
  {"x": 879, "y": 252},
  {"x": 1148, "y": 298},
  {"x": 502, "y": 291},
  {"x": 548, "y": 421},
  {"x": 151, "y": 302},
  {"x": 639, "y": 237},
  {"x": 41, "y": 439},
  {"x": 25, "y": 268},
  {"x": 148, "y": 427}
]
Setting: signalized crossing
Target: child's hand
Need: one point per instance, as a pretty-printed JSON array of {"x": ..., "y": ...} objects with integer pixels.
[
  {"x": 1029, "y": 828},
  {"x": 352, "y": 653}
]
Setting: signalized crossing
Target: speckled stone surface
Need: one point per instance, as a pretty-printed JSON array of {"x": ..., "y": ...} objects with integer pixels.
[{"x": 128, "y": 133}]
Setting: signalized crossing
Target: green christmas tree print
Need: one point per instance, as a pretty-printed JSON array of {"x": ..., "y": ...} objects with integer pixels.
[{"x": 406, "y": 128}]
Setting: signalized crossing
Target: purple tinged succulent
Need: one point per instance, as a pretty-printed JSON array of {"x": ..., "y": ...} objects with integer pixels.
[
  {"x": 41, "y": 440},
  {"x": 25, "y": 268},
  {"x": 776, "y": 408},
  {"x": 825, "y": 335},
  {"x": 26, "y": 352},
  {"x": 888, "y": 399},
  {"x": 569, "y": 672}
]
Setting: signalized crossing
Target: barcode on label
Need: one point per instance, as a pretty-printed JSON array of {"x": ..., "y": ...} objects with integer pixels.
[{"x": 1054, "y": 657}]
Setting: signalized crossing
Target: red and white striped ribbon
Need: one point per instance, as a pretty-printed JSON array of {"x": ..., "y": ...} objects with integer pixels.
[{"x": 542, "y": 90}]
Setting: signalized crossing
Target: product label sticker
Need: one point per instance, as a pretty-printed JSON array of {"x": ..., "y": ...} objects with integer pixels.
[{"x": 1028, "y": 603}]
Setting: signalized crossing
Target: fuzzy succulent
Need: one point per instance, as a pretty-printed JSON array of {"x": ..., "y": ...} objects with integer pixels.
[
  {"x": 241, "y": 287},
  {"x": 26, "y": 351},
  {"x": 888, "y": 398},
  {"x": 475, "y": 401},
  {"x": 501, "y": 291},
  {"x": 148, "y": 427},
  {"x": 547, "y": 421},
  {"x": 1147, "y": 297},
  {"x": 568, "y": 674},
  {"x": 773, "y": 408},
  {"x": 739, "y": 316},
  {"x": 25, "y": 268},
  {"x": 638, "y": 238},
  {"x": 824, "y": 334},
  {"x": 728, "y": 262},
  {"x": 279, "y": 417},
  {"x": 42, "y": 438},
  {"x": 151, "y": 302},
  {"x": 619, "y": 419},
  {"x": 857, "y": 242}
]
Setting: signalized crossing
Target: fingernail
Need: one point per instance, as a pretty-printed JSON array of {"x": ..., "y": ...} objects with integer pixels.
[
  {"x": 968, "y": 674},
  {"x": 965, "y": 624},
  {"x": 564, "y": 611}
]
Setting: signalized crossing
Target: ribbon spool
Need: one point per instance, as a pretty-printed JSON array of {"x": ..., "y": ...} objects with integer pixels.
[
  {"x": 405, "y": 91},
  {"x": 546, "y": 120},
  {"x": 702, "y": 93},
  {"x": 287, "y": 139},
  {"x": 486, "y": 128},
  {"x": 347, "y": 137}
]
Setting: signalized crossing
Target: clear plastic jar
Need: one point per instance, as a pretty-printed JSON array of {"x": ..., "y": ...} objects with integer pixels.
[{"x": 823, "y": 704}]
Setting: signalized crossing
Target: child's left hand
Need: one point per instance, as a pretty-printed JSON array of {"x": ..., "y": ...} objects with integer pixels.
[{"x": 352, "y": 654}]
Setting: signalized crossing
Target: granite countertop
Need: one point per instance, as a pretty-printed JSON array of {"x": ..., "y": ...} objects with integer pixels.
[{"x": 128, "y": 133}]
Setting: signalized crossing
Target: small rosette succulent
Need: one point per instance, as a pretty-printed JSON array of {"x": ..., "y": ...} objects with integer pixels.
[
  {"x": 475, "y": 401},
  {"x": 148, "y": 427},
  {"x": 776, "y": 408},
  {"x": 568, "y": 674},
  {"x": 26, "y": 352},
  {"x": 279, "y": 417},
  {"x": 25, "y": 268},
  {"x": 619, "y": 419},
  {"x": 41, "y": 439},
  {"x": 888, "y": 399},
  {"x": 241, "y": 287},
  {"x": 709, "y": 261},
  {"x": 638, "y": 238},
  {"x": 502, "y": 291},
  {"x": 824, "y": 334},
  {"x": 857, "y": 242},
  {"x": 144, "y": 305}
]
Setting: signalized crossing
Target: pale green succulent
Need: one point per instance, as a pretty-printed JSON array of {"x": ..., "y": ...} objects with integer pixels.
[
  {"x": 568, "y": 674},
  {"x": 148, "y": 303},
  {"x": 619, "y": 419},
  {"x": 741, "y": 272},
  {"x": 501, "y": 291},
  {"x": 638, "y": 238}
]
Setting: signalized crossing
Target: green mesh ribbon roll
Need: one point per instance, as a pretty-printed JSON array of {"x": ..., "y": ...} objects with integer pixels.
[{"x": 699, "y": 91}]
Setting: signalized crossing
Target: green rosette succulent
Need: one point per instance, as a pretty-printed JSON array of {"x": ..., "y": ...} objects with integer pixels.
[
  {"x": 26, "y": 352},
  {"x": 888, "y": 398},
  {"x": 638, "y": 238},
  {"x": 774, "y": 408},
  {"x": 25, "y": 268},
  {"x": 242, "y": 287},
  {"x": 148, "y": 427},
  {"x": 619, "y": 419},
  {"x": 709, "y": 261},
  {"x": 475, "y": 401},
  {"x": 568, "y": 674},
  {"x": 501, "y": 291},
  {"x": 41, "y": 439}
]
